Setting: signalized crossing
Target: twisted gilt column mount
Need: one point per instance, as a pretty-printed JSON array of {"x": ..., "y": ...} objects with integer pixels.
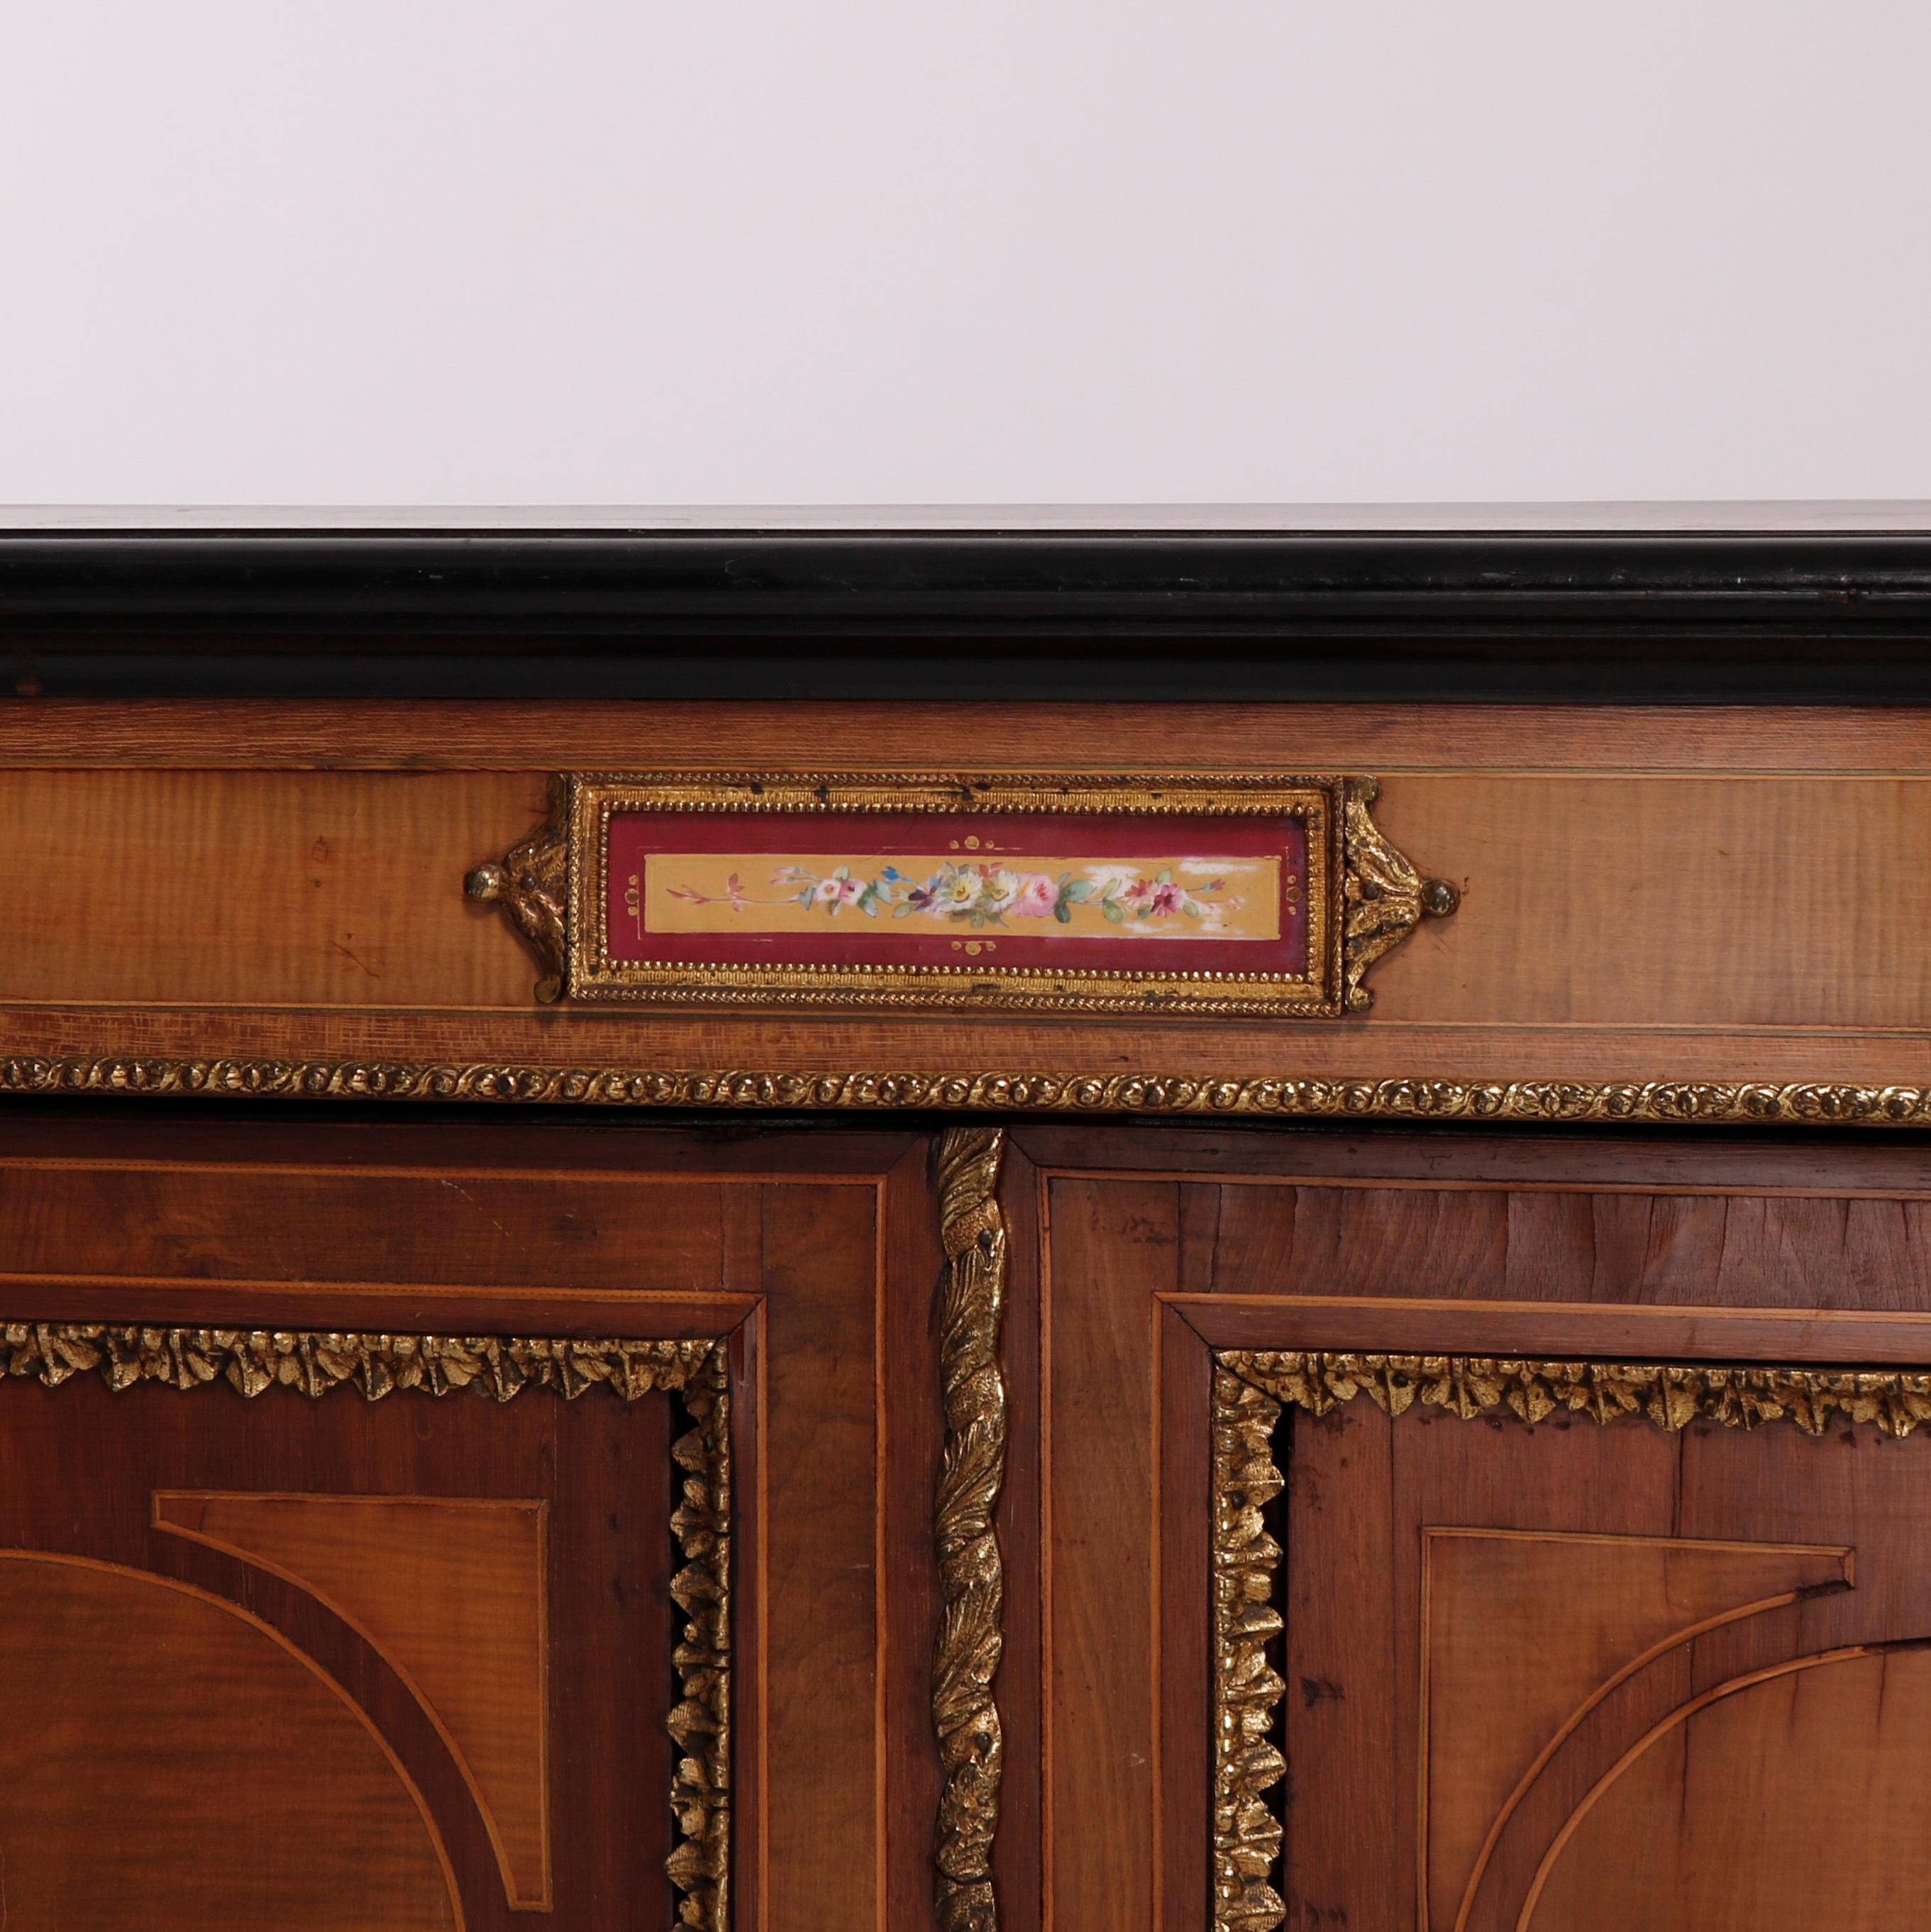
[{"x": 971, "y": 1574}]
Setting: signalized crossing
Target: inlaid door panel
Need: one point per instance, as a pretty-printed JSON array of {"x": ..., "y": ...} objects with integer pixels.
[
  {"x": 478, "y": 1594},
  {"x": 454, "y": 1593},
  {"x": 463, "y": 1525},
  {"x": 100, "y": 1831},
  {"x": 1468, "y": 1534},
  {"x": 1551, "y": 1626}
]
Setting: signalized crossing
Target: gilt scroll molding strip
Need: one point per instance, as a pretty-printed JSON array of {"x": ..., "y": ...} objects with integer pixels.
[
  {"x": 1545, "y": 1102},
  {"x": 1247, "y": 1689},
  {"x": 965, "y": 1713},
  {"x": 1252, "y": 1387},
  {"x": 313, "y": 1363},
  {"x": 1671, "y": 1395},
  {"x": 700, "y": 1722}
]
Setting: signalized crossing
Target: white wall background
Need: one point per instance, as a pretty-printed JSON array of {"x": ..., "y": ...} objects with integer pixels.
[{"x": 730, "y": 251}]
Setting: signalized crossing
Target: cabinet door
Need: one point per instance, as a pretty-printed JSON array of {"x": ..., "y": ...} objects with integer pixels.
[
  {"x": 1473, "y": 1534},
  {"x": 409, "y": 1526}
]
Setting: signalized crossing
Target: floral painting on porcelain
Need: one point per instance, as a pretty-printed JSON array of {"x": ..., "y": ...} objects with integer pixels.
[
  {"x": 1159, "y": 909},
  {"x": 1186, "y": 898}
]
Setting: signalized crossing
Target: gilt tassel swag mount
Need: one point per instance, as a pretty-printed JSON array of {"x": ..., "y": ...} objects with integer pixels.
[{"x": 1229, "y": 895}]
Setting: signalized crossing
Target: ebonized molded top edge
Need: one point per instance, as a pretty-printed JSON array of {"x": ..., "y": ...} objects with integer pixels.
[
  {"x": 1764, "y": 617},
  {"x": 915, "y": 577}
]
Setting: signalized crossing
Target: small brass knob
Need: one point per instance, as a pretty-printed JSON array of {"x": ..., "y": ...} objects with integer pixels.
[{"x": 486, "y": 882}]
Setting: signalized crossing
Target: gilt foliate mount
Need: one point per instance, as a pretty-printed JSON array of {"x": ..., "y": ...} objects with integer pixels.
[{"x": 1220, "y": 895}]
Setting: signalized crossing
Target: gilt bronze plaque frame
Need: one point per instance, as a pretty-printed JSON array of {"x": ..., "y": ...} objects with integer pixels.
[{"x": 1215, "y": 894}]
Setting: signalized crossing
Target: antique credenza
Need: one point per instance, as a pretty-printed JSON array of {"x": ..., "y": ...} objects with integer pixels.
[{"x": 763, "y": 1230}]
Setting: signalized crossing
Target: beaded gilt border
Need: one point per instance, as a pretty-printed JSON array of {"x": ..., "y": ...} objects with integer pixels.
[
  {"x": 1252, "y": 1387},
  {"x": 1548, "y": 1102},
  {"x": 254, "y": 1360},
  {"x": 1363, "y": 897}
]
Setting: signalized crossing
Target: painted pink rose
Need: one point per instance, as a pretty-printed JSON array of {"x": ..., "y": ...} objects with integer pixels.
[
  {"x": 1166, "y": 898},
  {"x": 1037, "y": 895}
]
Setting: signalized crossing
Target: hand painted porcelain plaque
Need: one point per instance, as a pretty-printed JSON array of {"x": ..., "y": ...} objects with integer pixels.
[{"x": 1222, "y": 894}]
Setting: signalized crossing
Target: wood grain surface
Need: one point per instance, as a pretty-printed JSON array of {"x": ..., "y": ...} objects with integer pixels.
[
  {"x": 84, "y": 1464},
  {"x": 452, "y": 1593},
  {"x": 1378, "y": 1668},
  {"x": 1524, "y": 1632},
  {"x": 145, "y": 1836},
  {"x": 299, "y": 733},
  {"x": 1700, "y": 894},
  {"x": 1485, "y": 1623},
  {"x": 1593, "y": 900},
  {"x": 795, "y": 1245},
  {"x": 1792, "y": 1798},
  {"x": 1471, "y": 1557}
]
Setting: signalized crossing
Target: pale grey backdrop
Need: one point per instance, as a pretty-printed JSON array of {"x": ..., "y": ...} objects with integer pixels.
[{"x": 835, "y": 251}]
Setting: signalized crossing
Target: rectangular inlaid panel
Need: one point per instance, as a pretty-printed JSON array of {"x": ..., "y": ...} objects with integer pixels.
[
  {"x": 1467, "y": 1551},
  {"x": 416, "y": 1655},
  {"x": 1582, "y": 1676},
  {"x": 434, "y": 1523}
]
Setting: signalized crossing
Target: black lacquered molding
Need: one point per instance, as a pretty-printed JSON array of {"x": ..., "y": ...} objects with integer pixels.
[{"x": 1156, "y": 615}]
